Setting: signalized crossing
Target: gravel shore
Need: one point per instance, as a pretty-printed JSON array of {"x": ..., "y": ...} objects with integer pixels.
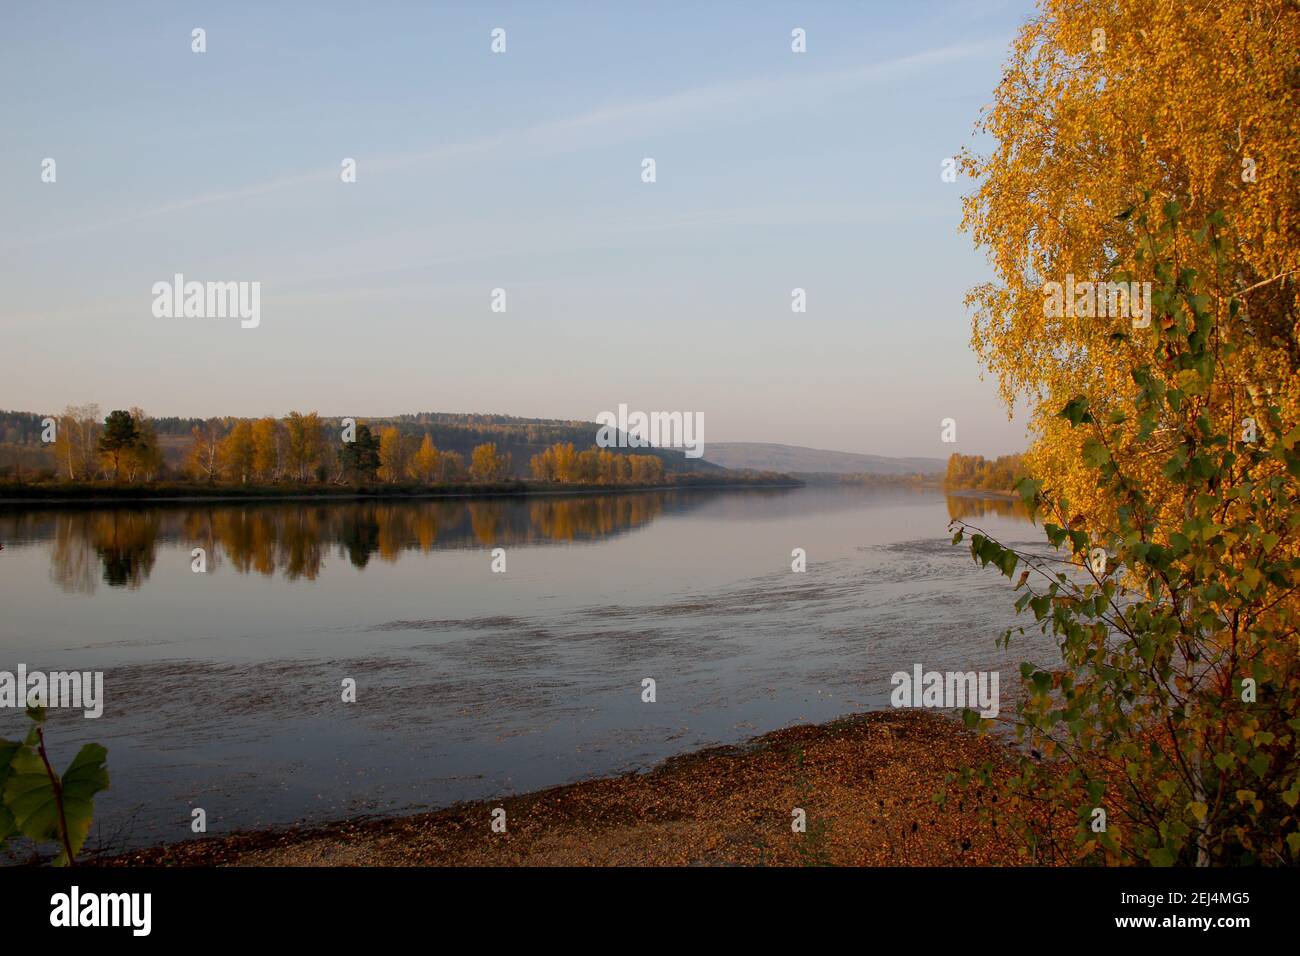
[{"x": 865, "y": 784}]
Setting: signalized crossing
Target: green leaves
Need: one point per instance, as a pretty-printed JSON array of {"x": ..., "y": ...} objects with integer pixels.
[
  {"x": 1028, "y": 489},
  {"x": 86, "y": 776},
  {"x": 1007, "y": 561},
  {"x": 987, "y": 551},
  {"x": 1161, "y": 856},
  {"x": 8, "y": 748},
  {"x": 1181, "y": 665},
  {"x": 43, "y": 806},
  {"x": 1076, "y": 410},
  {"x": 29, "y": 795},
  {"x": 1095, "y": 453},
  {"x": 35, "y": 800}
]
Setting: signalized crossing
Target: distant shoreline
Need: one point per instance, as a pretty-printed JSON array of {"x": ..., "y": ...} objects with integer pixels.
[{"x": 82, "y": 494}]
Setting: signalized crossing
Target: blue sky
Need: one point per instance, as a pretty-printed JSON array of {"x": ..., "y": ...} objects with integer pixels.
[{"x": 521, "y": 171}]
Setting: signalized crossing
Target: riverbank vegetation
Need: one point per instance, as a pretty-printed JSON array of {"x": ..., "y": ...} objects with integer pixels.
[
  {"x": 977, "y": 473},
  {"x": 1166, "y": 467},
  {"x": 81, "y": 444},
  {"x": 130, "y": 455}
]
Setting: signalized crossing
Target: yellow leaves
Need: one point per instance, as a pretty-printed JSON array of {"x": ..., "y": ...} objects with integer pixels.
[
  {"x": 424, "y": 463},
  {"x": 1248, "y": 797},
  {"x": 1198, "y": 810},
  {"x": 563, "y": 463},
  {"x": 486, "y": 464},
  {"x": 391, "y": 465},
  {"x": 1190, "y": 381},
  {"x": 1170, "y": 105},
  {"x": 237, "y": 450},
  {"x": 267, "y": 448},
  {"x": 305, "y": 444}
]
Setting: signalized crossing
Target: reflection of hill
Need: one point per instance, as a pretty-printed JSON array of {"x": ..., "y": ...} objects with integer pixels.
[{"x": 119, "y": 544}]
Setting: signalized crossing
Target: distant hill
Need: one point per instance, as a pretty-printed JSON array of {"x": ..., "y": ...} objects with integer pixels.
[{"x": 763, "y": 456}]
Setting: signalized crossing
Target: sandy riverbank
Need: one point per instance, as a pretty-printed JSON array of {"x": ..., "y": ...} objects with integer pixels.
[{"x": 865, "y": 783}]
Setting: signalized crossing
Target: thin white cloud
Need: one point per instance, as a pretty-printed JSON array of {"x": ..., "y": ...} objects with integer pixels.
[{"x": 673, "y": 107}]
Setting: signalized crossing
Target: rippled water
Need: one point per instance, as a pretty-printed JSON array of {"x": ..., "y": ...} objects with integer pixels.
[{"x": 223, "y": 688}]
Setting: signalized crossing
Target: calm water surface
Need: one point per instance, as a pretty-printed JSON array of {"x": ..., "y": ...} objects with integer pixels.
[{"x": 223, "y": 688}]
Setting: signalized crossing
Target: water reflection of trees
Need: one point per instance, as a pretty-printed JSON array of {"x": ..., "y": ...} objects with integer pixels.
[
  {"x": 967, "y": 507},
  {"x": 118, "y": 545}
]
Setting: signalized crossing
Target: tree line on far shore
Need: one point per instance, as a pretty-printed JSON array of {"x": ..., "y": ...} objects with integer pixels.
[
  {"x": 977, "y": 473},
  {"x": 563, "y": 463},
  {"x": 304, "y": 448}
]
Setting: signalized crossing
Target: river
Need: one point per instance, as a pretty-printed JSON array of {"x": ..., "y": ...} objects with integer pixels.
[{"x": 224, "y": 688}]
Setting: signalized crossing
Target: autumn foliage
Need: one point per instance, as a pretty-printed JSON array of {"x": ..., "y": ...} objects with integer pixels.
[
  {"x": 1152, "y": 142},
  {"x": 1168, "y": 732},
  {"x": 562, "y": 463},
  {"x": 977, "y": 473},
  {"x": 1196, "y": 102}
]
